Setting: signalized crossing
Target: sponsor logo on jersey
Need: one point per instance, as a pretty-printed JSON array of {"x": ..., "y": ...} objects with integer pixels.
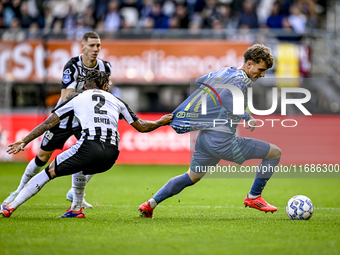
[
  {"x": 44, "y": 141},
  {"x": 192, "y": 115},
  {"x": 180, "y": 115},
  {"x": 49, "y": 135},
  {"x": 66, "y": 79},
  {"x": 67, "y": 71}
]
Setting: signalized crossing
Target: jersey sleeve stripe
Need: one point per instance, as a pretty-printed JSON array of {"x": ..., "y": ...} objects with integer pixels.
[{"x": 132, "y": 114}]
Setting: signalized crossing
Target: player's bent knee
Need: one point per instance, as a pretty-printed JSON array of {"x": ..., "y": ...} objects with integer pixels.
[
  {"x": 274, "y": 152},
  {"x": 195, "y": 177},
  {"x": 51, "y": 170}
]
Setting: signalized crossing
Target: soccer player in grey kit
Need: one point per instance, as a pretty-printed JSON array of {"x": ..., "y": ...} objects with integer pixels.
[{"x": 216, "y": 142}]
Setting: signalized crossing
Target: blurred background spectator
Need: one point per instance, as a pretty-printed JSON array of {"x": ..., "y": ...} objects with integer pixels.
[
  {"x": 248, "y": 16},
  {"x": 276, "y": 18},
  {"x": 157, "y": 17},
  {"x": 14, "y": 33},
  {"x": 297, "y": 19},
  {"x": 109, "y": 16},
  {"x": 113, "y": 19}
]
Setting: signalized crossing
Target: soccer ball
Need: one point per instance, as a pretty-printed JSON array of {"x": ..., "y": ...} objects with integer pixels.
[{"x": 300, "y": 208}]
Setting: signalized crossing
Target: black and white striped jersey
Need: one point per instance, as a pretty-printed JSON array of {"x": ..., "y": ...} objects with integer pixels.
[
  {"x": 71, "y": 72},
  {"x": 98, "y": 112}
]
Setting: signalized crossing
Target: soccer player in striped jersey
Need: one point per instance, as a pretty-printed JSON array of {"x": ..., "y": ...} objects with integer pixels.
[
  {"x": 217, "y": 124},
  {"x": 56, "y": 137},
  {"x": 96, "y": 151}
]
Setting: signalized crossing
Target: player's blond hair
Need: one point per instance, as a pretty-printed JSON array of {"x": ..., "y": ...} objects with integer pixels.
[{"x": 257, "y": 53}]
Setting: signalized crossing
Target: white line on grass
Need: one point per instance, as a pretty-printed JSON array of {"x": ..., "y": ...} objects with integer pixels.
[{"x": 193, "y": 206}]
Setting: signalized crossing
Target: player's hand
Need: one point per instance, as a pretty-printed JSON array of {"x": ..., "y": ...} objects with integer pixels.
[
  {"x": 251, "y": 123},
  {"x": 166, "y": 119},
  {"x": 14, "y": 148}
]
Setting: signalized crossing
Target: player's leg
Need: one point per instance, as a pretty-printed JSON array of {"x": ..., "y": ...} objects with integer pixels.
[
  {"x": 270, "y": 155},
  {"x": 66, "y": 163},
  {"x": 174, "y": 186},
  {"x": 31, "y": 170},
  {"x": 265, "y": 169},
  {"x": 53, "y": 139},
  {"x": 70, "y": 193},
  {"x": 78, "y": 190},
  {"x": 94, "y": 157},
  {"x": 178, "y": 183},
  {"x": 238, "y": 149},
  {"x": 32, "y": 187},
  {"x": 37, "y": 182}
]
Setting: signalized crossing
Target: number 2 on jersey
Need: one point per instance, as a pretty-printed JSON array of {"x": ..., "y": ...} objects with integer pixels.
[{"x": 100, "y": 103}]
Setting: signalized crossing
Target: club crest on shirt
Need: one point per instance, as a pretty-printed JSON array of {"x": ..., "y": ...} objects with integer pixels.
[
  {"x": 66, "y": 79},
  {"x": 67, "y": 71}
]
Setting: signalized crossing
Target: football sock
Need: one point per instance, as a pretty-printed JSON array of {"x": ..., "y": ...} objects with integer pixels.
[
  {"x": 264, "y": 171},
  {"x": 30, "y": 189},
  {"x": 31, "y": 170},
  {"x": 153, "y": 203},
  {"x": 78, "y": 186},
  {"x": 173, "y": 187},
  {"x": 88, "y": 177}
]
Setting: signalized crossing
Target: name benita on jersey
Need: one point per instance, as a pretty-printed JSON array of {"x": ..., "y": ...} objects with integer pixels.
[
  {"x": 101, "y": 120},
  {"x": 98, "y": 112}
]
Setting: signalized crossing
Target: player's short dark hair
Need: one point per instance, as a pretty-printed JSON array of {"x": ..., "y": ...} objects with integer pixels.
[
  {"x": 257, "y": 53},
  {"x": 90, "y": 34},
  {"x": 98, "y": 77}
]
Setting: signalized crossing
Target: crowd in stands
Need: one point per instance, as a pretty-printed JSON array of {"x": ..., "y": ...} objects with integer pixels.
[{"x": 74, "y": 17}]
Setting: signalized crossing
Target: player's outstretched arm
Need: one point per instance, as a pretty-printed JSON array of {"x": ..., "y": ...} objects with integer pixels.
[
  {"x": 37, "y": 131},
  {"x": 147, "y": 126}
]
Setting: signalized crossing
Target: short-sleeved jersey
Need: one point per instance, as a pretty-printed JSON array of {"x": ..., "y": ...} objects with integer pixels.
[
  {"x": 98, "y": 112},
  {"x": 70, "y": 80},
  {"x": 72, "y": 70},
  {"x": 219, "y": 103}
]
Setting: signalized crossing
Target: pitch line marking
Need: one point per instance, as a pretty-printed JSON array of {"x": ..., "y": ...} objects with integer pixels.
[{"x": 187, "y": 206}]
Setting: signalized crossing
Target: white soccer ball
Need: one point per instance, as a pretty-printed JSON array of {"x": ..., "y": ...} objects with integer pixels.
[{"x": 300, "y": 208}]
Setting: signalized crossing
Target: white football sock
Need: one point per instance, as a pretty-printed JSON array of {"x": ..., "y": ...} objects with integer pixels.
[
  {"x": 252, "y": 196},
  {"x": 30, "y": 189},
  {"x": 153, "y": 203},
  {"x": 88, "y": 177},
  {"x": 31, "y": 170},
  {"x": 78, "y": 185}
]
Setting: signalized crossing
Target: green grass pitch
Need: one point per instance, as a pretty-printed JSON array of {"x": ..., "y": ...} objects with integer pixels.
[{"x": 207, "y": 218}]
